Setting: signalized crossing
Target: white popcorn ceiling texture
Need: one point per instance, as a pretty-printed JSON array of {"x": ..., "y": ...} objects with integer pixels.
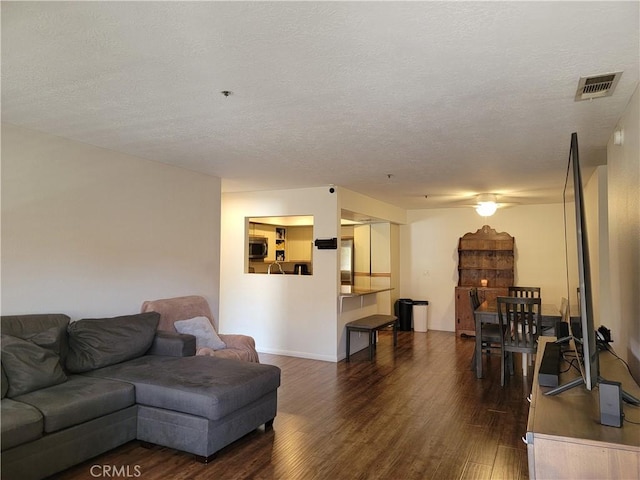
[{"x": 451, "y": 98}]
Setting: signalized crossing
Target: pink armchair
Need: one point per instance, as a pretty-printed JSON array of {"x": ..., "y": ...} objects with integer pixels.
[{"x": 171, "y": 310}]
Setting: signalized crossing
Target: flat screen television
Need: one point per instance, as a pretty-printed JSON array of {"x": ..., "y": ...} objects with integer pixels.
[
  {"x": 579, "y": 293},
  {"x": 579, "y": 289}
]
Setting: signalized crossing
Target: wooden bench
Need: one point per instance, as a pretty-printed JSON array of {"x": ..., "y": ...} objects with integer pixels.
[{"x": 372, "y": 324}]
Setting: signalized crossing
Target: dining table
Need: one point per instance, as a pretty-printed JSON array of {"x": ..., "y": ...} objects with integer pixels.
[{"x": 487, "y": 312}]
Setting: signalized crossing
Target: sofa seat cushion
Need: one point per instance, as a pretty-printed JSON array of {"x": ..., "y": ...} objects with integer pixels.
[
  {"x": 78, "y": 400},
  {"x": 21, "y": 423},
  {"x": 205, "y": 386}
]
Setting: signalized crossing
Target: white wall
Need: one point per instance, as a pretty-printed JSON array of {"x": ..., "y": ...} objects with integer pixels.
[
  {"x": 382, "y": 264},
  {"x": 358, "y": 203},
  {"x": 429, "y": 253},
  {"x": 90, "y": 232},
  {"x": 623, "y": 173},
  {"x": 595, "y": 199},
  {"x": 290, "y": 314},
  {"x": 286, "y": 314},
  {"x": 362, "y": 252}
]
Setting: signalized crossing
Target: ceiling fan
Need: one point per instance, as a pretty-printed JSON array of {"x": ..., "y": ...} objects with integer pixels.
[{"x": 485, "y": 202}]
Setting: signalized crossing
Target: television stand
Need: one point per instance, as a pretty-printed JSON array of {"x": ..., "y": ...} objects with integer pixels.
[{"x": 565, "y": 438}]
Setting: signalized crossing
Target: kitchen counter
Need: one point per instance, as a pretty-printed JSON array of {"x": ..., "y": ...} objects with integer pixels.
[{"x": 350, "y": 291}]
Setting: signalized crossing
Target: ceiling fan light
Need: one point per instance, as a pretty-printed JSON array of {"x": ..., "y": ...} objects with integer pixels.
[
  {"x": 486, "y": 209},
  {"x": 487, "y": 205}
]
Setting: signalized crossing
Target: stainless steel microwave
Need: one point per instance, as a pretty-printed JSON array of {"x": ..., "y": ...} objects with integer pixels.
[{"x": 258, "y": 248}]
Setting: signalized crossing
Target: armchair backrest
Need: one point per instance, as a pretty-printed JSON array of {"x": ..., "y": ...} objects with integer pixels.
[{"x": 178, "y": 308}]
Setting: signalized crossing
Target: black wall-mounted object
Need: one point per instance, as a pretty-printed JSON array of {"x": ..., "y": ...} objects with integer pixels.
[{"x": 326, "y": 243}]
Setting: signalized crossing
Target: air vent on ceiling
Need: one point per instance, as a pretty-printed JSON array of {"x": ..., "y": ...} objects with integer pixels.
[{"x": 597, "y": 86}]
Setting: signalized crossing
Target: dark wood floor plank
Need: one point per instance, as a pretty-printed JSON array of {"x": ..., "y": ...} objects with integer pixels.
[
  {"x": 451, "y": 467},
  {"x": 476, "y": 471},
  {"x": 509, "y": 464},
  {"x": 415, "y": 412}
]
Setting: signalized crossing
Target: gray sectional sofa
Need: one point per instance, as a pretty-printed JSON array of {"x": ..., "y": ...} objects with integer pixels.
[{"x": 72, "y": 391}]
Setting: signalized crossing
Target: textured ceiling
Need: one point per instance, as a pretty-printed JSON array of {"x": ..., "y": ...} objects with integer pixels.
[{"x": 449, "y": 98}]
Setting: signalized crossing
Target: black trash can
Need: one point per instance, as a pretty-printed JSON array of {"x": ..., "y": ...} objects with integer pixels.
[{"x": 403, "y": 309}]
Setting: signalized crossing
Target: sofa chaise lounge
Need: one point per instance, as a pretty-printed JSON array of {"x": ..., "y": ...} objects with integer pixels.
[{"x": 72, "y": 391}]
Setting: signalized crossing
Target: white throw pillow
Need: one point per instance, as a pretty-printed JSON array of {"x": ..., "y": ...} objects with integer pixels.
[{"x": 201, "y": 328}]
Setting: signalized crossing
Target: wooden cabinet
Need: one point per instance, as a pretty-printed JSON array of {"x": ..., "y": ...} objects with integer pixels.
[
  {"x": 465, "y": 323},
  {"x": 485, "y": 255},
  {"x": 299, "y": 243}
]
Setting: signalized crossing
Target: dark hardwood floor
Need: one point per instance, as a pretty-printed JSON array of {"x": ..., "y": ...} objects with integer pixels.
[{"x": 416, "y": 412}]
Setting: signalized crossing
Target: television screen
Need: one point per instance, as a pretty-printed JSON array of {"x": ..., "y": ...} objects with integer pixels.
[
  {"x": 578, "y": 275},
  {"x": 579, "y": 293}
]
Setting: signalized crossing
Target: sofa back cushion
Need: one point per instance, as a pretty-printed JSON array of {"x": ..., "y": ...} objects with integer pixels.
[
  {"x": 28, "y": 365},
  {"x": 25, "y": 326},
  {"x": 99, "y": 342}
]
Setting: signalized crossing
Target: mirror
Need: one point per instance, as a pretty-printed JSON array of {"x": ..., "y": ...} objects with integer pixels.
[
  {"x": 347, "y": 259},
  {"x": 366, "y": 241},
  {"x": 280, "y": 245}
]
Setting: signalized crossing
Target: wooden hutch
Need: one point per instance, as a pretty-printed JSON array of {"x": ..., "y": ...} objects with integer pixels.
[{"x": 483, "y": 255}]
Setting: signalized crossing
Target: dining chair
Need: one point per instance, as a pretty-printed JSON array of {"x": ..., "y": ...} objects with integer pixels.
[
  {"x": 519, "y": 319},
  {"x": 526, "y": 292},
  {"x": 475, "y": 299},
  {"x": 490, "y": 333}
]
